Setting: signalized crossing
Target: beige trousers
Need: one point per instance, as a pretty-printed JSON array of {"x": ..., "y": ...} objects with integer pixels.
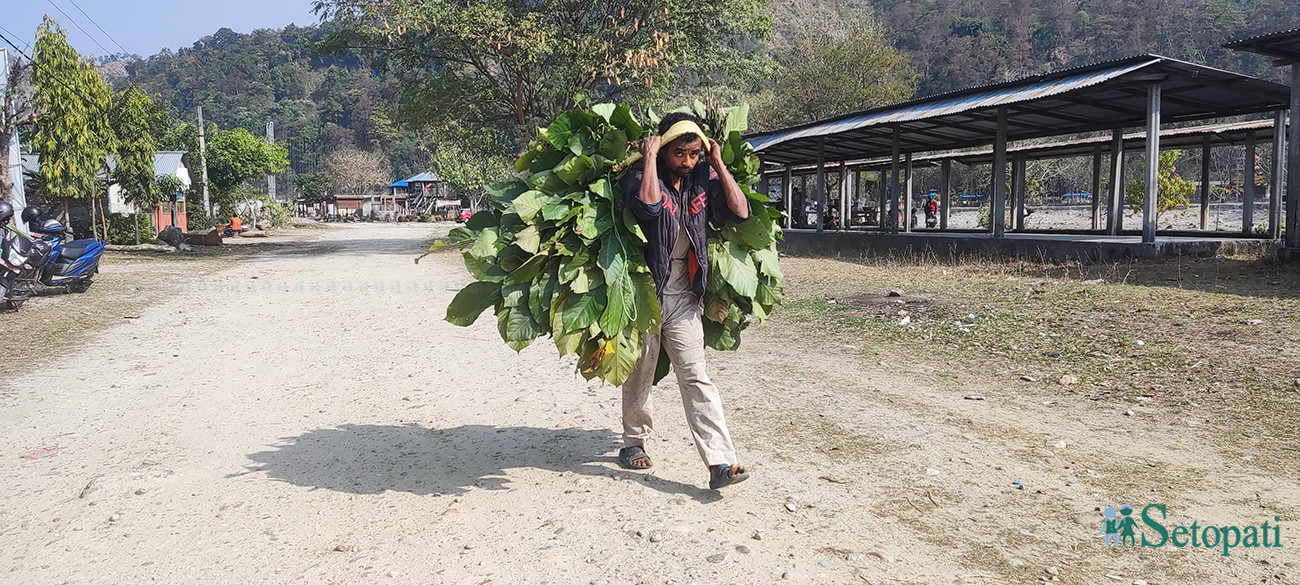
[{"x": 682, "y": 336}]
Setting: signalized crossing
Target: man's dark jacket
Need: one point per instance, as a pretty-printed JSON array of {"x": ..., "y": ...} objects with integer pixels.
[{"x": 700, "y": 194}]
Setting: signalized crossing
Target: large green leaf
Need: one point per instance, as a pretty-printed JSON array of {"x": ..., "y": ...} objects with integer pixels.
[
  {"x": 735, "y": 268},
  {"x": 769, "y": 262},
  {"x": 529, "y": 270},
  {"x": 506, "y": 191},
  {"x": 737, "y": 119},
  {"x": 619, "y": 303},
  {"x": 482, "y": 268},
  {"x": 546, "y": 161},
  {"x": 529, "y": 203},
  {"x": 516, "y": 324},
  {"x": 580, "y": 311},
  {"x": 513, "y": 295},
  {"x": 623, "y": 357},
  {"x": 483, "y": 219},
  {"x": 613, "y": 145},
  {"x": 573, "y": 170},
  {"x": 622, "y": 119},
  {"x": 645, "y": 303},
  {"x": 486, "y": 246},
  {"x": 564, "y": 127},
  {"x": 471, "y": 301},
  {"x": 588, "y": 279},
  {"x": 604, "y": 110},
  {"x": 526, "y": 159},
  {"x": 755, "y": 232},
  {"x": 573, "y": 267},
  {"x": 528, "y": 239}
]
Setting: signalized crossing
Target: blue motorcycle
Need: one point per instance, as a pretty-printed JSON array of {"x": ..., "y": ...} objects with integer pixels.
[{"x": 42, "y": 259}]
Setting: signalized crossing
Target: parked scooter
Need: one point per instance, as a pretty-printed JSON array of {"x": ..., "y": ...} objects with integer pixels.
[
  {"x": 22, "y": 258},
  {"x": 48, "y": 259},
  {"x": 73, "y": 262}
]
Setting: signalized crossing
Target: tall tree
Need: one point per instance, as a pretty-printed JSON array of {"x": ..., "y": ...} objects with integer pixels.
[
  {"x": 235, "y": 156},
  {"x": 835, "y": 59},
  {"x": 518, "y": 63},
  {"x": 133, "y": 173},
  {"x": 72, "y": 135},
  {"x": 356, "y": 171},
  {"x": 135, "y": 148}
]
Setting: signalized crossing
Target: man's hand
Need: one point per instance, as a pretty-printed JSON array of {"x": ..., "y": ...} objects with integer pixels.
[
  {"x": 650, "y": 146},
  {"x": 715, "y": 156}
]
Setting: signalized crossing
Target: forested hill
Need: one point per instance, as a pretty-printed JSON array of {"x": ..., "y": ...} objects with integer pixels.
[
  {"x": 322, "y": 104},
  {"x": 319, "y": 104},
  {"x": 961, "y": 43}
]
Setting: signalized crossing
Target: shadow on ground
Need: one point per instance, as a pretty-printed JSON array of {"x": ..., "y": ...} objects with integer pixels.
[{"x": 372, "y": 459}]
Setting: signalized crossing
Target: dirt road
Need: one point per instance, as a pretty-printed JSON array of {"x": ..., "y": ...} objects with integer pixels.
[{"x": 307, "y": 417}]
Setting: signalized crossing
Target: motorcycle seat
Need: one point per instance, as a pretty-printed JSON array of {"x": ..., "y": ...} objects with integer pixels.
[{"x": 76, "y": 248}]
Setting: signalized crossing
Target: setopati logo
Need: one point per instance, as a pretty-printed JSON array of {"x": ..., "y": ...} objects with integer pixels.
[{"x": 1122, "y": 529}]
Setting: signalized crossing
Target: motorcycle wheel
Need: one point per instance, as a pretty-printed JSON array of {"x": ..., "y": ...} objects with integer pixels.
[{"x": 80, "y": 287}]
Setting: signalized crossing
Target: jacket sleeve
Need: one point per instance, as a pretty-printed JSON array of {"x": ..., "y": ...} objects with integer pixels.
[
  {"x": 632, "y": 195},
  {"x": 718, "y": 200}
]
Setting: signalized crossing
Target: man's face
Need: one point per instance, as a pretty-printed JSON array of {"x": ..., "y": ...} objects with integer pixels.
[{"x": 680, "y": 156}]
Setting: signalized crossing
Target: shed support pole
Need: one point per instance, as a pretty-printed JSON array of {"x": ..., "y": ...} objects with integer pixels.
[
  {"x": 908, "y": 187},
  {"x": 1279, "y": 174},
  {"x": 821, "y": 180},
  {"x": 1248, "y": 186},
  {"x": 894, "y": 186},
  {"x": 1115, "y": 198},
  {"x": 945, "y": 192},
  {"x": 1018, "y": 184},
  {"x": 1148, "y": 208},
  {"x": 1293, "y": 165},
  {"x": 844, "y": 193},
  {"x": 1205, "y": 182},
  {"x": 882, "y": 189},
  {"x": 1153, "y": 164},
  {"x": 1095, "y": 194},
  {"x": 998, "y": 213},
  {"x": 787, "y": 195}
]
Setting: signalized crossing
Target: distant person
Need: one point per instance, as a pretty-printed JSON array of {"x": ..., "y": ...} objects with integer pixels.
[
  {"x": 932, "y": 210},
  {"x": 236, "y": 226}
]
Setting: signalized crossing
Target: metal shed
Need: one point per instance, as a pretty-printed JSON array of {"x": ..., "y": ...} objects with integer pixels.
[{"x": 1146, "y": 90}]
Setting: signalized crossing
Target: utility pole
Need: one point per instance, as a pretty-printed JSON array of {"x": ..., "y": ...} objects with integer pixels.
[
  {"x": 270, "y": 178},
  {"x": 203, "y": 158}
]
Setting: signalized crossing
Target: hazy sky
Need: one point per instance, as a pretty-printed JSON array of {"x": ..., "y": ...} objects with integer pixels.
[{"x": 144, "y": 27}]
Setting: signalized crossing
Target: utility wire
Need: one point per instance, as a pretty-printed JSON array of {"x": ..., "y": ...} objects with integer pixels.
[
  {"x": 101, "y": 29},
  {"x": 83, "y": 31}
]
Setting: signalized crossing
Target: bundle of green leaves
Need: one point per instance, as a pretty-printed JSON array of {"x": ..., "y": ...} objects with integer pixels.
[{"x": 557, "y": 253}]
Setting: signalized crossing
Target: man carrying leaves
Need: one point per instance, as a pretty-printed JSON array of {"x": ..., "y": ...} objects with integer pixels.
[{"x": 672, "y": 193}]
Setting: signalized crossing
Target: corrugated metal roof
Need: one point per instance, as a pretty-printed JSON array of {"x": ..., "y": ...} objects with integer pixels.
[
  {"x": 933, "y": 107},
  {"x": 167, "y": 162},
  {"x": 1098, "y": 97},
  {"x": 1283, "y": 44},
  {"x": 425, "y": 177}
]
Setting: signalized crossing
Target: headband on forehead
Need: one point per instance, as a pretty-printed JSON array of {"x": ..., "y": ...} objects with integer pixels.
[{"x": 683, "y": 128}]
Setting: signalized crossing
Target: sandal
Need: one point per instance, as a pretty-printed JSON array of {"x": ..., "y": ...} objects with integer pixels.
[
  {"x": 721, "y": 477},
  {"x": 628, "y": 456}
]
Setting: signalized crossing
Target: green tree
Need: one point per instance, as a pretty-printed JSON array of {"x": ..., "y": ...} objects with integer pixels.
[
  {"x": 1173, "y": 190},
  {"x": 72, "y": 134},
  {"x": 519, "y": 63},
  {"x": 834, "y": 61},
  {"x": 235, "y": 156},
  {"x": 312, "y": 186},
  {"x": 133, "y": 171}
]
